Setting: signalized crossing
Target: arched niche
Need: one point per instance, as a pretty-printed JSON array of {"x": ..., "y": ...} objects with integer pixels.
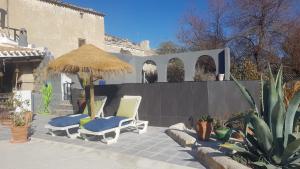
[
  {"x": 205, "y": 69},
  {"x": 149, "y": 72},
  {"x": 175, "y": 70}
]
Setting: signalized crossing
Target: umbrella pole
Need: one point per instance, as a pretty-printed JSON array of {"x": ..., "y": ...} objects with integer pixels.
[{"x": 92, "y": 97}]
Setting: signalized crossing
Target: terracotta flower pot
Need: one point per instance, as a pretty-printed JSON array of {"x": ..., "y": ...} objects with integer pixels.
[
  {"x": 204, "y": 130},
  {"x": 19, "y": 134},
  {"x": 237, "y": 136}
]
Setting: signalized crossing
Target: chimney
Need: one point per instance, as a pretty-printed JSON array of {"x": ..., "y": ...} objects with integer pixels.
[
  {"x": 23, "y": 38},
  {"x": 145, "y": 44}
]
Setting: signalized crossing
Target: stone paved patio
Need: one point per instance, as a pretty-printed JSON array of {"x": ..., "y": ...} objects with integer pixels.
[{"x": 153, "y": 145}]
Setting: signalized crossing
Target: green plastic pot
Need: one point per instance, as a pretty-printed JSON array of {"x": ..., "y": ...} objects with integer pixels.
[{"x": 222, "y": 133}]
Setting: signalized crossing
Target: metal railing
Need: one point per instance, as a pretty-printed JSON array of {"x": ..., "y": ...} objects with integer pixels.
[{"x": 15, "y": 32}]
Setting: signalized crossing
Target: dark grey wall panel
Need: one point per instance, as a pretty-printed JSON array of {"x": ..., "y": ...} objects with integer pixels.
[
  {"x": 164, "y": 104},
  {"x": 225, "y": 98}
]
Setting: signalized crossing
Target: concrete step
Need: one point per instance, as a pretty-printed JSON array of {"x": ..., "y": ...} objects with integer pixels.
[
  {"x": 65, "y": 106},
  {"x": 63, "y": 112},
  {"x": 65, "y": 102}
]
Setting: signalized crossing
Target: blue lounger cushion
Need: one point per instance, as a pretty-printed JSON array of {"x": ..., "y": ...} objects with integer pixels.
[
  {"x": 101, "y": 124},
  {"x": 65, "y": 121}
]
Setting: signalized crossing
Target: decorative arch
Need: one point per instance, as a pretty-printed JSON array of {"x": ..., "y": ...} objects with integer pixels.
[
  {"x": 149, "y": 72},
  {"x": 205, "y": 69},
  {"x": 175, "y": 70}
]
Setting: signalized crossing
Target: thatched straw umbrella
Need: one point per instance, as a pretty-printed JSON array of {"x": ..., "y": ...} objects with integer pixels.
[{"x": 91, "y": 60}]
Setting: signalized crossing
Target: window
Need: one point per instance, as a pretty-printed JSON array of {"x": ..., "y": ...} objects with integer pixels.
[{"x": 81, "y": 42}]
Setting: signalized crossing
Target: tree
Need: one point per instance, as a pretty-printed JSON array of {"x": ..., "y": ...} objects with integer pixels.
[
  {"x": 205, "y": 69},
  {"x": 245, "y": 70},
  {"x": 168, "y": 48},
  {"x": 198, "y": 33},
  {"x": 291, "y": 47},
  {"x": 260, "y": 25},
  {"x": 175, "y": 70}
]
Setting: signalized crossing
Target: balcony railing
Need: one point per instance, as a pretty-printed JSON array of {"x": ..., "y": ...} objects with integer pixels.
[{"x": 15, "y": 32}]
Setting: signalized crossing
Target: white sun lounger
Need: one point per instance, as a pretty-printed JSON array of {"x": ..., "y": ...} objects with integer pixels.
[
  {"x": 76, "y": 117},
  {"x": 129, "y": 118}
]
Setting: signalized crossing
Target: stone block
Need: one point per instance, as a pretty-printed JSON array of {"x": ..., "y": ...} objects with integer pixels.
[
  {"x": 214, "y": 159},
  {"x": 181, "y": 137}
]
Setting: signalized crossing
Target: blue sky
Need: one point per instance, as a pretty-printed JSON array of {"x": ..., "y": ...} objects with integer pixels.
[{"x": 136, "y": 20}]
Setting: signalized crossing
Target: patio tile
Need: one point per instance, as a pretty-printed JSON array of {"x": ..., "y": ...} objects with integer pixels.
[
  {"x": 145, "y": 154},
  {"x": 160, "y": 157},
  {"x": 154, "y": 144},
  {"x": 131, "y": 151}
]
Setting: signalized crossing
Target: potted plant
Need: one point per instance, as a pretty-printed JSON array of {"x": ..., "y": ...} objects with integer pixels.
[
  {"x": 204, "y": 127},
  {"x": 221, "y": 131},
  {"x": 20, "y": 127},
  {"x": 21, "y": 119}
]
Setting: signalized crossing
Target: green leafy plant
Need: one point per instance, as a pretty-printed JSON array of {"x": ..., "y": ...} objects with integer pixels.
[
  {"x": 236, "y": 124},
  {"x": 206, "y": 118},
  {"x": 273, "y": 143},
  {"x": 221, "y": 131},
  {"x": 18, "y": 105},
  {"x": 217, "y": 123},
  {"x": 47, "y": 93}
]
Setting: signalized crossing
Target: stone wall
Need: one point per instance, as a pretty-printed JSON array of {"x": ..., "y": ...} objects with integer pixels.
[{"x": 54, "y": 26}]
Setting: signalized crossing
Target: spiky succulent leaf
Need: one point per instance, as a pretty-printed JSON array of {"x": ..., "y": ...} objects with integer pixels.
[
  {"x": 278, "y": 118},
  {"x": 246, "y": 94},
  {"x": 293, "y": 163},
  {"x": 279, "y": 73},
  {"x": 279, "y": 83},
  {"x": 262, "y": 133},
  {"x": 253, "y": 146},
  {"x": 265, "y": 100},
  {"x": 273, "y": 96},
  {"x": 290, "y": 150},
  {"x": 234, "y": 147},
  {"x": 262, "y": 84},
  {"x": 265, "y": 165},
  {"x": 290, "y": 115}
]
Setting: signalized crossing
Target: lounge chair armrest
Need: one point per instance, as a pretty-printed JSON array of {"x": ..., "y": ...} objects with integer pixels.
[
  {"x": 125, "y": 120},
  {"x": 74, "y": 115},
  {"x": 108, "y": 117}
]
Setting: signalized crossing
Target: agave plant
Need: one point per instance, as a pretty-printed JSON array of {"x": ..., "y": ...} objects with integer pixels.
[{"x": 273, "y": 143}]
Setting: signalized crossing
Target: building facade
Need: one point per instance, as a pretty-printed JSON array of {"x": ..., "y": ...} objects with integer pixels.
[
  {"x": 56, "y": 25},
  {"x": 118, "y": 45}
]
